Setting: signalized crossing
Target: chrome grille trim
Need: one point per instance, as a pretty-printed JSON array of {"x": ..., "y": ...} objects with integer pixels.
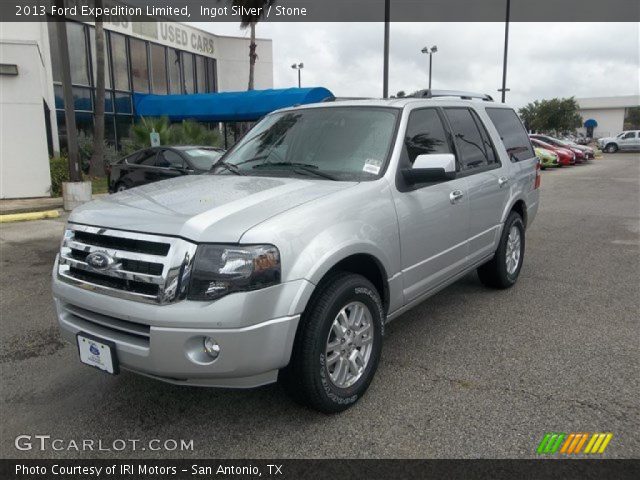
[{"x": 116, "y": 281}]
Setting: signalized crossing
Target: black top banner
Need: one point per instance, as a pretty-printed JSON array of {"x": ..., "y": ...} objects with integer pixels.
[{"x": 324, "y": 10}]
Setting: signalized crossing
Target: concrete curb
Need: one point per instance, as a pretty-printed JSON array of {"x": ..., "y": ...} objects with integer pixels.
[{"x": 21, "y": 217}]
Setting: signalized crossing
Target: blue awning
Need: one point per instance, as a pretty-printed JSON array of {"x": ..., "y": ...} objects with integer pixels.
[{"x": 226, "y": 106}]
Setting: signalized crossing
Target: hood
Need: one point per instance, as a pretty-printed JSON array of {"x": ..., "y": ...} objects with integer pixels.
[{"x": 203, "y": 208}]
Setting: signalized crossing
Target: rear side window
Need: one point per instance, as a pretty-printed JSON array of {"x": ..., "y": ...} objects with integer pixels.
[
  {"x": 147, "y": 158},
  {"x": 512, "y": 132},
  {"x": 425, "y": 134},
  {"x": 472, "y": 140}
]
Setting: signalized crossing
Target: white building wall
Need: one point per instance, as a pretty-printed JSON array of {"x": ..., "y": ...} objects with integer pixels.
[
  {"x": 233, "y": 64},
  {"x": 610, "y": 121},
  {"x": 24, "y": 156}
]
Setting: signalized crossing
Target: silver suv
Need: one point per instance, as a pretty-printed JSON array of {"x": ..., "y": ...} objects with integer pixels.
[{"x": 322, "y": 224}]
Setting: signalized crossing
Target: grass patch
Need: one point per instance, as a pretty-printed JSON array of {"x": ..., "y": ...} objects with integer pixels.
[{"x": 99, "y": 185}]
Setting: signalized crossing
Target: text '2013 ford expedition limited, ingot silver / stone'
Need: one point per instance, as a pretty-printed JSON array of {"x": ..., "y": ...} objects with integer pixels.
[{"x": 320, "y": 225}]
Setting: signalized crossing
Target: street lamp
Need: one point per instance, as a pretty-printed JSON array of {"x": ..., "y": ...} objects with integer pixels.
[
  {"x": 430, "y": 51},
  {"x": 299, "y": 67}
]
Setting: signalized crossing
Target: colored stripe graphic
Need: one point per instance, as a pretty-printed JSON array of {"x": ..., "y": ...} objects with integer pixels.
[
  {"x": 550, "y": 443},
  {"x": 572, "y": 443}
]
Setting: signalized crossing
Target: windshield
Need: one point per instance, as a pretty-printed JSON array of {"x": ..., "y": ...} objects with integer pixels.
[
  {"x": 203, "y": 158},
  {"x": 335, "y": 143}
]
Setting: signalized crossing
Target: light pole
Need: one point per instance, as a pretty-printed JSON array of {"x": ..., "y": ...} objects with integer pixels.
[
  {"x": 299, "y": 67},
  {"x": 504, "y": 88},
  {"x": 430, "y": 51}
]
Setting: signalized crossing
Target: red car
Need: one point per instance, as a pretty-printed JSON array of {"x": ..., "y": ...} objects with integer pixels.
[
  {"x": 580, "y": 153},
  {"x": 565, "y": 156}
]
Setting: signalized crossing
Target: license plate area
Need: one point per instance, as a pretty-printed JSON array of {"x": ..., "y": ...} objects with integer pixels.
[{"x": 98, "y": 353}]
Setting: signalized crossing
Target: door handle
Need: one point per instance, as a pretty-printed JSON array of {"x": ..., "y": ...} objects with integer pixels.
[
  {"x": 455, "y": 196},
  {"x": 502, "y": 181}
]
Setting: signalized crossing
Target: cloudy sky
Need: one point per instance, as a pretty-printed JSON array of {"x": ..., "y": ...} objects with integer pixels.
[{"x": 545, "y": 59}]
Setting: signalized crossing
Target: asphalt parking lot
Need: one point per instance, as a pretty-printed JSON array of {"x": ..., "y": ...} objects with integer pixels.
[{"x": 470, "y": 373}]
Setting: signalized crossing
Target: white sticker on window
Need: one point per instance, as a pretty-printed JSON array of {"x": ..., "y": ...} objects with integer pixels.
[{"x": 372, "y": 166}]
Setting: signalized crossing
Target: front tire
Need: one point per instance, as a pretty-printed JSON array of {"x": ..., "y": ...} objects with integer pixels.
[
  {"x": 611, "y": 148},
  {"x": 337, "y": 346},
  {"x": 503, "y": 269}
]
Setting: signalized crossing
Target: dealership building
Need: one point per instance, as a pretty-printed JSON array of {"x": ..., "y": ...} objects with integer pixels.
[
  {"x": 605, "y": 116},
  {"x": 159, "y": 57}
]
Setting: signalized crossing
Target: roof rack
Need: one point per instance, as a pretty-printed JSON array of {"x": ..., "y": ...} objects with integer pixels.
[{"x": 450, "y": 93}]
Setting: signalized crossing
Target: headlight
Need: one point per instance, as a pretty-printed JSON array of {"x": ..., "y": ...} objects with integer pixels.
[{"x": 222, "y": 269}]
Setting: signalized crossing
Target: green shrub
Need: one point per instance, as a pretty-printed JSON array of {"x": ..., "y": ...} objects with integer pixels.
[
  {"x": 59, "y": 167},
  {"x": 85, "y": 149},
  {"x": 187, "y": 132}
]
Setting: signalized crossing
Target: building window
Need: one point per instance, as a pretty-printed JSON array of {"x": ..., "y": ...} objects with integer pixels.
[
  {"x": 211, "y": 75},
  {"x": 173, "y": 59},
  {"x": 158, "y": 69},
  {"x": 78, "y": 53},
  {"x": 139, "y": 65},
  {"x": 94, "y": 67},
  {"x": 201, "y": 74},
  {"x": 187, "y": 72},
  {"x": 122, "y": 102},
  {"x": 52, "y": 27},
  {"x": 120, "y": 61}
]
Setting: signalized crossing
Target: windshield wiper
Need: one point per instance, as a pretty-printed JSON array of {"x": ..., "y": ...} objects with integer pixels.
[
  {"x": 228, "y": 166},
  {"x": 298, "y": 168}
]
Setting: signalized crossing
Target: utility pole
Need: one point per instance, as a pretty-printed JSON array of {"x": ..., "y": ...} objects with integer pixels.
[
  {"x": 504, "y": 88},
  {"x": 385, "y": 69}
]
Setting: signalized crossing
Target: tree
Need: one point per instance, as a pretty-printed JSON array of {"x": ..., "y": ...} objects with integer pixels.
[
  {"x": 556, "y": 115},
  {"x": 75, "y": 175},
  {"x": 96, "y": 164},
  {"x": 632, "y": 118},
  {"x": 248, "y": 19}
]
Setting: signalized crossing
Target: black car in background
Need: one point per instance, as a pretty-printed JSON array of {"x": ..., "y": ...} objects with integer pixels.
[{"x": 160, "y": 163}]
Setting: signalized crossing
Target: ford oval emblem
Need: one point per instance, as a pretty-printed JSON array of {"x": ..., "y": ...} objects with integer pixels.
[
  {"x": 100, "y": 260},
  {"x": 93, "y": 349}
]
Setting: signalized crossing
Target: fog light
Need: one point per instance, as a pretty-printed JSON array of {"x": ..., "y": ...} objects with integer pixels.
[{"x": 211, "y": 347}]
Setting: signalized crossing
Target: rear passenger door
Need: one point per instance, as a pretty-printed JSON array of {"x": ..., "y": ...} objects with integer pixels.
[
  {"x": 487, "y": 181},
  {"x": 140, "y": 170}
]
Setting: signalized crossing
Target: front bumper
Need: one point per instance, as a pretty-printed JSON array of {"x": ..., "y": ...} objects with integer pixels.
[{"x": 255, "y": 331}]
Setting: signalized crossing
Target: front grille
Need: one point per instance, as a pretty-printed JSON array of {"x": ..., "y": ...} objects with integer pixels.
[
  {"x": 140, "y": 267},
  {"x": 120, "y": 243}
]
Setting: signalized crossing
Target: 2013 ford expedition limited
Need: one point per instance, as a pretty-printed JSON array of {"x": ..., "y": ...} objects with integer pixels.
[{"x": 284, "y": 263}]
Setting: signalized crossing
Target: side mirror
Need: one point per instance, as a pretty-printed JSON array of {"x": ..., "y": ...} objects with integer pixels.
[{"x": 431, "y": 167}]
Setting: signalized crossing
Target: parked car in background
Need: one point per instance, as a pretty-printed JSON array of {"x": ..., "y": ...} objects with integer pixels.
[
  {"x": 582, "y": 153},
  {"x": 160, "y": 163},
  {"x": 565, "y": 156},
  {"x": 547, "y": 157},
  {"x": 626, "y": 141}
]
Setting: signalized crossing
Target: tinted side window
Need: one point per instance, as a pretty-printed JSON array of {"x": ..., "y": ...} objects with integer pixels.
[
  {"x": 512, "y": 133},
  {"x": 169, "y": 158},
  {"x": 474, "y": 148},
  {"x": 630, "y": 135},
  {"x": 147, "y": 158},
  {"x": 425, "y": 134}
]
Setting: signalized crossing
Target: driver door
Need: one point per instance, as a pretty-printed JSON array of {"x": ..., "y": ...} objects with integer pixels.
[{"x": 433, "y": 217}]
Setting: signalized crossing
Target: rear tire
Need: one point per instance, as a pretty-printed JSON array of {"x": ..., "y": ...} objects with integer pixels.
[
  {"x": 121, "y": 187},
  {"x": 337, "y": 346},
  {"x": 503, "y": 269},
  {"x": 611, "y": 148}
]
